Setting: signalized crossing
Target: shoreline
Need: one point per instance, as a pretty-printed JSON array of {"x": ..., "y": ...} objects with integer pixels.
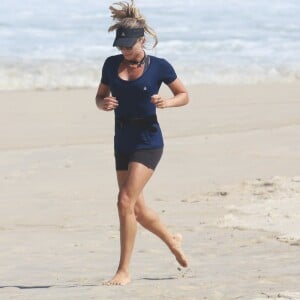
[{"x": 188, "y": 85}]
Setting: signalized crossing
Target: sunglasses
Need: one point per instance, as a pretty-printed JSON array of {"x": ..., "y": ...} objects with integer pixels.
[{"x": 124, "y": 48}]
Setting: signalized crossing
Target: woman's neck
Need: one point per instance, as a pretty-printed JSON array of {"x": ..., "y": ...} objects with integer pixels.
[{"x": 138, "y": 60}]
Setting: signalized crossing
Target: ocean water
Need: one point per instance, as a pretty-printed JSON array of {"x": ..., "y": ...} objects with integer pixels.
[{"x": 63, "y": 43}]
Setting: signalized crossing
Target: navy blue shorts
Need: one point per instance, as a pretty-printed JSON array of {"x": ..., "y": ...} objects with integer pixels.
[{"x": 148, "y": 157}]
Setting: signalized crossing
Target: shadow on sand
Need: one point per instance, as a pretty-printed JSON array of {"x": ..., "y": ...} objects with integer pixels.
[{"x": 32, "y": 287}]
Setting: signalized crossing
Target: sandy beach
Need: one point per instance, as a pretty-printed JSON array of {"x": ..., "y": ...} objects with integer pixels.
[{"x": 229, "y": 182}]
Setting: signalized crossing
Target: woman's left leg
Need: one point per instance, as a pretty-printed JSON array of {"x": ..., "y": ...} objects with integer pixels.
[
  {"x": 137, "y": 176},
  {"x": 151, "y": 221}
]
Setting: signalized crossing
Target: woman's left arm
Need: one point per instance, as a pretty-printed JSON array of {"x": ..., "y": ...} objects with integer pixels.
[{"x": 180, "y": 98}]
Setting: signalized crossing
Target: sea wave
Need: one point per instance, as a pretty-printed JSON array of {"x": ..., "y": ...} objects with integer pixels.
[{"x": 62, "y": 74}]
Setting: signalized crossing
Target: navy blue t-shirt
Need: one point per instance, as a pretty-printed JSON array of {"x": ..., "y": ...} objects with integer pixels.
[{"x": 134, "y": 98}]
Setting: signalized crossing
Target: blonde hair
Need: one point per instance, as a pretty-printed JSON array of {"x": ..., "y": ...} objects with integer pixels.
[{"x": 129, "y": 16}]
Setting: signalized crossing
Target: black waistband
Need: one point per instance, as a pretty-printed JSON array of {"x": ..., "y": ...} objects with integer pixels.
[{"x": 137, "y": 121}]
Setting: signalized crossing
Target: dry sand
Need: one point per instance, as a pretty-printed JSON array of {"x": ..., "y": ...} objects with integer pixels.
[{"x": 229, "y": 181}]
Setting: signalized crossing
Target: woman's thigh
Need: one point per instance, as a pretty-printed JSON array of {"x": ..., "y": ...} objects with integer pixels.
[{"x": 134, "y": 179}]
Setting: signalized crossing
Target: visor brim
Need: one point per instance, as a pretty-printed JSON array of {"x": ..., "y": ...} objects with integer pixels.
[{"x": 125, "y": 42}]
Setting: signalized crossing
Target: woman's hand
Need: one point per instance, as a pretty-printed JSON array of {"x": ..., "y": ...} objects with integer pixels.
[
  {"x": 159, "y": 102},
  {"x": 180, "y": 97},
  {"x": 109, "y": 103}
]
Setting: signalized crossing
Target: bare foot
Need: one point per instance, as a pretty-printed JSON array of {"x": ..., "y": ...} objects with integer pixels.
[
  {"x": 177, "y": 250},
  {"x": 121, "y": 278}
]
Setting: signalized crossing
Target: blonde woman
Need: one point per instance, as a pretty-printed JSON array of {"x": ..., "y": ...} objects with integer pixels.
[{"x": 130, "y": 86}]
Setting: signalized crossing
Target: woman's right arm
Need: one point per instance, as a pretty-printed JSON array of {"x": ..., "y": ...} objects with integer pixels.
[{"x": 103, "y": 99}]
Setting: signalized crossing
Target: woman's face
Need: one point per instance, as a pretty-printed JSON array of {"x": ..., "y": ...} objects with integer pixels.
[{"x": 130, "y": 53}]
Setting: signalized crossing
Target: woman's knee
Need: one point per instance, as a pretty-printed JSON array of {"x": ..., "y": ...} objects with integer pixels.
[{"x": 125, "y": 202}]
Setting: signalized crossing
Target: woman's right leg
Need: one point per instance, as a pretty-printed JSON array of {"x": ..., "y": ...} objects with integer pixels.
[{"x": 136, "y": 178}]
